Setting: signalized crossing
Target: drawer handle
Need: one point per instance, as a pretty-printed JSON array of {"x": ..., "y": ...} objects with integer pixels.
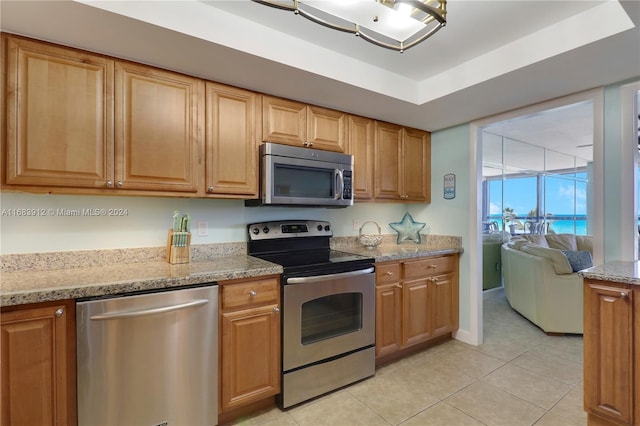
[
  {"x": 432, "y": 267},
  {"x": 389, "y": 273},
  {"x": 399, "y": 285},
  {"x": 252, "y": 293}
]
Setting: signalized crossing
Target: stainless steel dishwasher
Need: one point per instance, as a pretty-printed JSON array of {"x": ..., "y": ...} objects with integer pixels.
[{"x": 149, "y": 359}]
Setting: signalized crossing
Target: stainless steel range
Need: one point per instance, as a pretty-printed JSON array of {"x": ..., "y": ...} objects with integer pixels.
[{"x": 328, "y": 308}]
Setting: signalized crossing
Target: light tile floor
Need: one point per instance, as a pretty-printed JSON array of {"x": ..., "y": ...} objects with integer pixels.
[{"x": 519, "y": 376}]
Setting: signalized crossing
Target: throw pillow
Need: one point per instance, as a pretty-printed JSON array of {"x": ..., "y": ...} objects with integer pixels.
[
  {"x": 579, "y": 260},
  {"x": 562, "y": 242},
  {"x": 559, "y": 261}
]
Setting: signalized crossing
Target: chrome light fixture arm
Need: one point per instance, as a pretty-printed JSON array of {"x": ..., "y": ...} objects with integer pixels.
[{"x": 432, "y": 13}]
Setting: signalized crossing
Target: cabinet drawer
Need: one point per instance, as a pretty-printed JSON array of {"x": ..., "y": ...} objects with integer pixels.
[
  {"x": 387, "y": 273},
  {"x": 249, "y": 293},
  {"x": 431, "y": 266}
]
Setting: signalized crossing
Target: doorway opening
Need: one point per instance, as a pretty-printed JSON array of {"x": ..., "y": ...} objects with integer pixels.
[{"x": 552, "y": 148}]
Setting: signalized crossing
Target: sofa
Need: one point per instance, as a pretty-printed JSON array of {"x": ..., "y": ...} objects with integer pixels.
[{"x": 541, "y": 281}]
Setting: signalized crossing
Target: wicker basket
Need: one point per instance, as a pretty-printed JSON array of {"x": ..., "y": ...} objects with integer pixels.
[{"x": 370, "y": 241}]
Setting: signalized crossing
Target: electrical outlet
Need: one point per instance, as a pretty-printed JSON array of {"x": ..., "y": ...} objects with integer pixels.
[
  {"x": 356, "y": 225},
  {"x": 203, "y": 228}
]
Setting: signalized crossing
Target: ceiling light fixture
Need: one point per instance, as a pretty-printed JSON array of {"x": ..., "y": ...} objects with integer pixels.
[{"x": 392, "y": 24}]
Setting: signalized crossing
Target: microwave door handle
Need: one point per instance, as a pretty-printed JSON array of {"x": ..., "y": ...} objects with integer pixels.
[{"x": 339, "y": 184}]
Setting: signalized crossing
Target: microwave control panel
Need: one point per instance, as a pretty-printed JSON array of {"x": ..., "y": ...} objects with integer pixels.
[{"x": 347, "y": 182}]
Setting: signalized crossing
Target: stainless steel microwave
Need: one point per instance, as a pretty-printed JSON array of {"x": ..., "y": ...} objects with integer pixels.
[{"x": 293, "y": 176}]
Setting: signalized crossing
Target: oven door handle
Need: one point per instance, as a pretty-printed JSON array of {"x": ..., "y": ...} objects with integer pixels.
[{"x": 316, "y": 278}]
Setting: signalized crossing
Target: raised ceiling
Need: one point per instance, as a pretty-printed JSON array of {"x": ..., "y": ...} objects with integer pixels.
[{"x": 492, "y": 57}]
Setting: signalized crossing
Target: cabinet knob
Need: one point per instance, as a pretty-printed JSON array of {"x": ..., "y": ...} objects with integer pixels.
[
  {"x": 389, "y": 273},
  {"x": 435, "y": 279},
  {"x": 276, "y": 310},
  {"x": 252, "y": 293},
  {"x": 109, "y": 184},
  {"x": 210, "y": 189},
  {"x": 431, "y": 267},
  {"x": 399, "y": 285},
  {"x": 623, "y": 295},
  {"x": 59, "y": 312},
  {"x": 119, "y": 184}
]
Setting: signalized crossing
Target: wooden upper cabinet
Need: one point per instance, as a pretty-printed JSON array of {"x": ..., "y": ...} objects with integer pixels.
[
  {"x": 416, "y": 167},
  {"x": 388, "y": 153},
  {"x": 361, "y": 146},
  {"x": 294, "y": 123},
  {"x": 158, "y": 141},
  {"x": 326, "y": 129},
  {"x": 403, "y": 163},
  {"x": 38, "y": 365},
  {"x": 59, "y": 113},
  {"x": 284, "y": 121},
  {"x": 232, "y": 126}
]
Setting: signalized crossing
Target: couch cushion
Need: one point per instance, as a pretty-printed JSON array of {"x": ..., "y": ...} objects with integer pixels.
[
  {"x": 559, "y": 261},
  {"x": 562, "y": 241},
  {"x": 536, "y": 239},
  {"x": 584, "y": 243},
  {"x": 516, "y": 243},
  {"x": 579, "y": 260}
]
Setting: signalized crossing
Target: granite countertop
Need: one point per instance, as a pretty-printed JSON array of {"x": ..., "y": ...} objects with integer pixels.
[
  {"x": 616, "y": 271},
  {"x": 386, "y": 252},
  {"x": 72, "y": 283},
  {"x": 42, "y": 277}
]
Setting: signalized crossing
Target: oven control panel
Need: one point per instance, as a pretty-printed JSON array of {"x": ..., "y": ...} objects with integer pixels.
[{"x": 289, "y": 229}]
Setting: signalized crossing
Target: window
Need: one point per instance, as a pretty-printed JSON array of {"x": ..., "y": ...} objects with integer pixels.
[{"x": 530, "y": 189}]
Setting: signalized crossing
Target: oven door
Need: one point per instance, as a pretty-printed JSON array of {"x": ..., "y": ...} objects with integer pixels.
[{"x": 327, "y": 315}]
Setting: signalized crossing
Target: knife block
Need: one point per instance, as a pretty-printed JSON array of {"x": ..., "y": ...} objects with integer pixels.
[{"x": 178, "y": 247}]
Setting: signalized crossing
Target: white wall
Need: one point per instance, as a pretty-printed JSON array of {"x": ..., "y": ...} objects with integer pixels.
[
  {"x": 450, "y": 154},
  {"x": 148, "y": 218}
]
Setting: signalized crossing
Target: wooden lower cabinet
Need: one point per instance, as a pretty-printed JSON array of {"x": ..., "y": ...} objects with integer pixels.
[
  {"x": 37, "y": 363},
  {"x": 416, "y": 301},
  {"x": 611, "y": 353},
  {"x": 250, "y": 341}
]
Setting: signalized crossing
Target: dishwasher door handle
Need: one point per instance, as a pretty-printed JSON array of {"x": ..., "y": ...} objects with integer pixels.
[
  {"x": 316, "y": 278},
  {"x": 151, "y": 311}
]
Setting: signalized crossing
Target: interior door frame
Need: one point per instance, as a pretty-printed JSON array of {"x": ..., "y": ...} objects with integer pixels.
[
  {"x": 629, "y": 94},
  {"x": 596, "y": 97}
]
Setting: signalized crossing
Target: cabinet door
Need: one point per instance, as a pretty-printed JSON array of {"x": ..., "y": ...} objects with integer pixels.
[
  {"x": 37, "y": 365},
  {"x": 417, "y": 323},
  {"x": 327, "y": 129},
  {"x": 388, "y": 318},
  {"x": 608, "y": 340},
  {"x": 416, "y": 165},
  {"x": 284, "y": 121},
  {"x": 59, "y": 116},
  {"x": 250, "y": 361},
  {"x": 159, "y": 144},
  {"x": 361, "y": 146},
  {"x": 231, "y": 141},
  {"x": 444, "y": 303},
  {"x": 388, "y": 153}
]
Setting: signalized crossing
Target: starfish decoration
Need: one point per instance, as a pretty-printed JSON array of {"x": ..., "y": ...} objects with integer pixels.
[{"x": 407, "y": 229}]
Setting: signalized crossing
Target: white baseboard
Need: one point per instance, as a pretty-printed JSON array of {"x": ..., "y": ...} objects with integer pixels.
[{"x": 466, "y": 337}]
